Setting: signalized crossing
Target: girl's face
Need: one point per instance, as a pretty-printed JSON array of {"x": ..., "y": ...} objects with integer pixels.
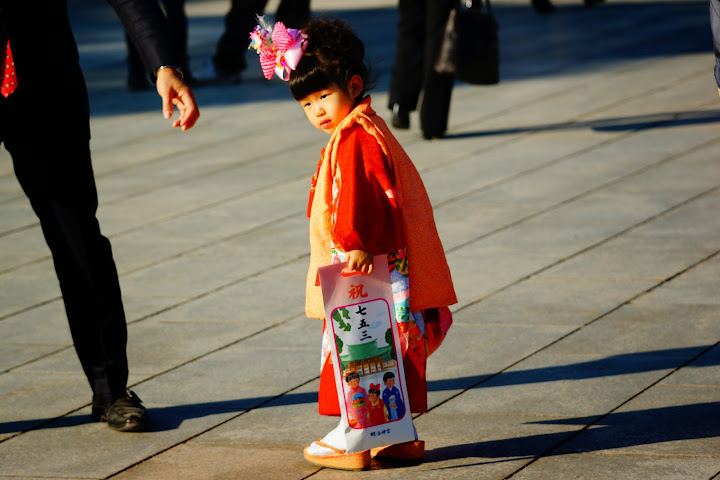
[{"x": 325, "y": 109}]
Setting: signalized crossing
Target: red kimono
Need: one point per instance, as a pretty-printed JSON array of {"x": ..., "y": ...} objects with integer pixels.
[{"x": 360, "y": 208}]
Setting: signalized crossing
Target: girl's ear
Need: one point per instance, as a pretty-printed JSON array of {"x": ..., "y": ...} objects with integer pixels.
[{"x": 355, "y": 86}]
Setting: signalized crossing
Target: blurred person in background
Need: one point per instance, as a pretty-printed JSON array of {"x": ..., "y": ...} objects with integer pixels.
[{"x": 420, "y": 35}]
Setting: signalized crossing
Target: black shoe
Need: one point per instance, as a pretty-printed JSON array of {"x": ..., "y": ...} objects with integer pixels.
[
  {"x": 400, "y": 117},
  {"x": 431, "y": 136},
  {"x": 543, "y": 6},
  {"x": 431, "y": 132},
  {"x": 125, "y": 413}
]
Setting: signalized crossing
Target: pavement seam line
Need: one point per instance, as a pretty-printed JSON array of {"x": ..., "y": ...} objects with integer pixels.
[
  {"x": 187, "y": 440},
  {"x": 579, "y": 118},
  {"x": 437, "y": 206},
  {"x": 575, "y": 330},
  {"x": 440, "y": 204},
  {"x": 526, "y": 277},
  {"x": 557, "y": 93},
  {"x": 567, "y": 201},
  {"x": 460, "y": 309},
  {"x": 156, "y": 375},
  {"x": 601, "y": 417},
  {"x": 158, "y": 221},
  {"x": 168, "y": 308},
  {"x": 593, "y": 246},
  {"x": 567, "y": 335},
  {"x": 547, "y": 267}
]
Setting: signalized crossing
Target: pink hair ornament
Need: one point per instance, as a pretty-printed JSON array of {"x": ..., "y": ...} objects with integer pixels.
[{"x": 280, "y": 48}]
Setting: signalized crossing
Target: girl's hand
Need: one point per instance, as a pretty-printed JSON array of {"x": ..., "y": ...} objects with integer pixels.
[{"x": 359, "y": 261}]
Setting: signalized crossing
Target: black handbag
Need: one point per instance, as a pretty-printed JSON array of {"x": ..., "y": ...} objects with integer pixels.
[{"x": 470, "y": 49}]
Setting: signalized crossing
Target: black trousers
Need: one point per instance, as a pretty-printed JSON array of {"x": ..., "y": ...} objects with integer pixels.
[
  {"x": 178, "y": 30},
  {"x": 231, "y": 48},
  {"x": 51, "y": 157},
  {"x": 420, "y": 32}
]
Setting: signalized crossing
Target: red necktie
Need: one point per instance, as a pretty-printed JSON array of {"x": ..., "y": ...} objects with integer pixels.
[{"x": 9, "y": 83}]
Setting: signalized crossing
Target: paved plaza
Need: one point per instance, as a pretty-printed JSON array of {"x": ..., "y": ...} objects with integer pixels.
[{"x": 579, "y": 206}]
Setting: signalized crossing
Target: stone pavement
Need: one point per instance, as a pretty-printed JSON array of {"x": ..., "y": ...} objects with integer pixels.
[{"x": 578, "y": 204}]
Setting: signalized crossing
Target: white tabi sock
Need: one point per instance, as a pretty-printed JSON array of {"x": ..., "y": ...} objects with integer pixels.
[{"x": 336, "y": 438}]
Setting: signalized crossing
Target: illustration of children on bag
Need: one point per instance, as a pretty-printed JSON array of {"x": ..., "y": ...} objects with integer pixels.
[
  {"x": 392, "y": 398},
  {"x": 376, "y": 407},
  {"x": 356, "y": 400}
]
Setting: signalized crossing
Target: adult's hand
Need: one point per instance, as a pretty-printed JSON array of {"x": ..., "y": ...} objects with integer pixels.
[{"x": 175, "y": 92}]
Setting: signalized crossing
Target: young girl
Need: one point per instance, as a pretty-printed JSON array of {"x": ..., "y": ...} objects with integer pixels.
[{"x": 366, "y": 199}]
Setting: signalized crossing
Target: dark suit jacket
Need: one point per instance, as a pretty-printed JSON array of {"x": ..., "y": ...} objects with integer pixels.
[{"x": 50, "y": 82}]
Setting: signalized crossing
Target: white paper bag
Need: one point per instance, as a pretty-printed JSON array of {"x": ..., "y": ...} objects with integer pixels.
[{"x": 366, "y": 356}]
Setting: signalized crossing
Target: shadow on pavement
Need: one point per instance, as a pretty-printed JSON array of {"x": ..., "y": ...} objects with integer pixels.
[
  {"x": 624, "y": 364},
  {"x": 616, "y": 430},
  {"x": 170, "y": 418},
  {"x": 617, "y": 124}
]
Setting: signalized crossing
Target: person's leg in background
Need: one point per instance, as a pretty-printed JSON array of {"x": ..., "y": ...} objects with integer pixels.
[
  {"x": 435, "y": 107},
  {"x": 293, "y": 13},
  {"x": 407, "y": 78},
  {"x": 229, "y": 59}
]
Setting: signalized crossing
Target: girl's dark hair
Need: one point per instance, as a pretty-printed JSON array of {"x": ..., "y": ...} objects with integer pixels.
[{"x": 334, "y": 54}]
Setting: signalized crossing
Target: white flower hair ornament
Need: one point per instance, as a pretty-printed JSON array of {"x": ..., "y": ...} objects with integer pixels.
[{"x": 280, "y": 48}]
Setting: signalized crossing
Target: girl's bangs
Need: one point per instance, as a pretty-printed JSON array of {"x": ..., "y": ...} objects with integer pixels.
[{"x": 308, "y": 78}]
